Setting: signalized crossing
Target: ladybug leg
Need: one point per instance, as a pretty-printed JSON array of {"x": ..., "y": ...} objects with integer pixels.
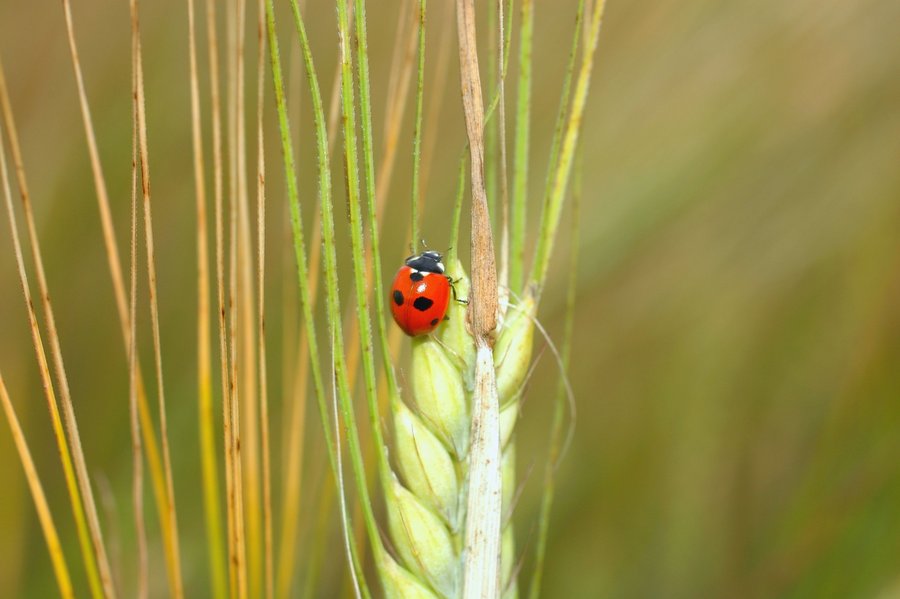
[{"x": 453, "y": 289}]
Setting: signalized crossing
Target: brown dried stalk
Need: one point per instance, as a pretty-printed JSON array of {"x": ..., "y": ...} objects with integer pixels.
[{"x": 481, "y": 577}]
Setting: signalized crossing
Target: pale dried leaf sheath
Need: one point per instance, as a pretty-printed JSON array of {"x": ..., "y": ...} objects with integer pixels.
[
  {"x": 481, "y": 578},
  {"x": 483, "y": 305}
]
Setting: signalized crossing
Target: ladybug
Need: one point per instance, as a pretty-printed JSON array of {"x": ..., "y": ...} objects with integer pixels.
[{"x": 420, "y": 294}]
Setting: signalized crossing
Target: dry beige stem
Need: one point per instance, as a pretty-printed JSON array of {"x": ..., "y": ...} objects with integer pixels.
[{"x": 481, "y": 577}]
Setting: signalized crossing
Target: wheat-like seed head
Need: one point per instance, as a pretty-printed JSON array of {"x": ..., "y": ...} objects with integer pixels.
[{"x": 426, "y": 503}]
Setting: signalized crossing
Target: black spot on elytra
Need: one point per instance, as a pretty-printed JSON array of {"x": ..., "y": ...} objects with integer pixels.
[
  {"x": 434, "y": 321},
  {"x": 415, "y": 276},
  {"x": 398, "y": 298},
  {"x": 422, "y": 303}
]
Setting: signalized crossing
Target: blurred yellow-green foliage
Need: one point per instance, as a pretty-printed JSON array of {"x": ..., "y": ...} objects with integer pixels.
[{"x": 736, "y": 358}]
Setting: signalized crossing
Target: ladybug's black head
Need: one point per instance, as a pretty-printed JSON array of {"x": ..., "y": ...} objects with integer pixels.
[{"x": 427, "y": 261}]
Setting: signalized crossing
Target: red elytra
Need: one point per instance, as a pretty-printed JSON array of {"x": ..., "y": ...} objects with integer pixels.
[{"x": 420, "y": 294}]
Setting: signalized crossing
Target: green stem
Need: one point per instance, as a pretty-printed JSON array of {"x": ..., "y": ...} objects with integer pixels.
[
  {"x": 559, "y": 406},
  {"x": 297, "y": 223},
  {"x": 417, "y": 132},
  {"x": 518, "y": 213},
  {"x": 365, "y": 102},
  {"x": 457, "y": 209},
  {"x": 559, "y": 176}
]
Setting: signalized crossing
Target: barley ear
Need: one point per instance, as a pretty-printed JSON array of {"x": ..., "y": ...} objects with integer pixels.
[
  {"x": 453, "y": 334},
  {"x": 425, "y": 465},
  {"x": 422, "y": 540},
  {"x": 512, "y": 353},
  {"x": 440, "y": 393},
  {"x": 400, "y": 584}
]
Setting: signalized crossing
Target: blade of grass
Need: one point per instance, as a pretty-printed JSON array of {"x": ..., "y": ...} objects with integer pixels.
[
  {"x": 434, "y": 109},
  {"x": 342, "y": 496},
  {"x": 365, "y": 102},
  {"x": 334, "y": 108},
  {"x": 137, "y": 484},
  {"x": 292, "y": 477},
  {"x": 231, "y": 406},
  {"x": 261, "y": 334},
  {"x": 495, "y": 100},
  {"x": 417, "y": 128},
  {"x": 563, "y": 167},
  {"x": 362, "y": 287},
  {"x": 206, "y": 419},
  {"x": 498, "y": 46},
  {"x": 503, "y": 277},
  {"x": 348, "y": 112},
  {"x": 295, "y": 433},
  {"x": 234, "y": 561},
  {"x": 115, "y": 267},
  {"x": 395, "y": 106},
  {"x": 376, "y": 198},
  {"x": 173, "y": 560},
  {"x": 243, "y": 324},
  {"x": 296, "y": 221},
  {"x": 83, "y": 504},
  {"x": 45, "y": 516},
  {"x": 518, "y": 212},
  {"x": 457, "y": 210},
  {"x": 291, "y": 500},
  {"x": 150, "y": 444},
  {"x": 559, "y": 403},
  {"x": 387, "y": 386},
  {"x": 320, "y": 525}
]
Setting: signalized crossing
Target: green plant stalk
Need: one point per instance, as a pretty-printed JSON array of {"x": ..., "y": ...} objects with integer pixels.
[
  {"x": 559, "y": 404},
  {"x": 559, "y": 127},
  {"x": 507, "y": 40},
  {"x": 417, "y": 131},
  {"x": 503, "y": 274},
  {"x": 365, "y": 103},
  {"x": 348, "y": 113},
  {"x": 453, "y": 254},
  {"x": 553, "y": 202},
  {"x": 518, "y": 214},
  {"x": 296, "y": 221}
]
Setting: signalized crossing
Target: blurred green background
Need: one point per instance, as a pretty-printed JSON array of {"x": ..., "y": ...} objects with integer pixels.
[{"x": 736, "y": 358}]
